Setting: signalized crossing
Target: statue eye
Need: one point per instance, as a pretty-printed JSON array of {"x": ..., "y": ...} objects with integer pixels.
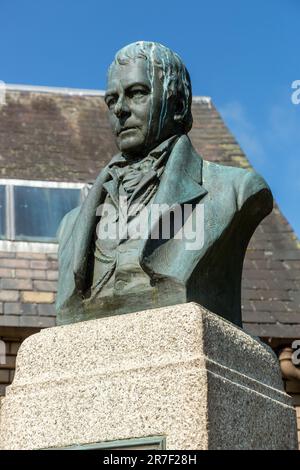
[
  {"x": 137, "y": 93},
  {"x": 110, "y": 101}
]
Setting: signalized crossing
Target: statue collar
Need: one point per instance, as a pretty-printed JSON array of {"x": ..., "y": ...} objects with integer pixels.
[
  {"x": 157, "y": 152},
  {"x": 181, "y": 181}
]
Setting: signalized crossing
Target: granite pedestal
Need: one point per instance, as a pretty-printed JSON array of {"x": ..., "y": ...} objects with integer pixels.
[{"x": 180, "y": 373}]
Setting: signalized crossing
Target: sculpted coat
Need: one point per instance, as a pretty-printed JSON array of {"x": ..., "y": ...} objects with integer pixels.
[{"x": 234, "y": 200}]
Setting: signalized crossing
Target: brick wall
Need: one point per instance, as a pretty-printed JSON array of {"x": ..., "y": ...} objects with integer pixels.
[
  {"x": 28, "y": 284},
  {"x": 298, "y": 423},
  {"x": 293, "y": 389},
  {"x": 7, "y": 363}
]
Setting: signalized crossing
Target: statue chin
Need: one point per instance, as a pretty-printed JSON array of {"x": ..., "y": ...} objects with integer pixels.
[{"x": 130, "y": 141}]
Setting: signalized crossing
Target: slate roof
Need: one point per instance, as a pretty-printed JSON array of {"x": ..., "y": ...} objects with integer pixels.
[{"x": 63, "y": 135}]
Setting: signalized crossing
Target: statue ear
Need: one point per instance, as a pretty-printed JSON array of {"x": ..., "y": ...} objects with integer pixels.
[{"x": 179, "y": 109}]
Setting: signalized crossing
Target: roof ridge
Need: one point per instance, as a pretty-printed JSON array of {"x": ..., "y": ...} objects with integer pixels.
[
  {"x": 78, "y": 91},
  {"x": 53, "y": 89}
]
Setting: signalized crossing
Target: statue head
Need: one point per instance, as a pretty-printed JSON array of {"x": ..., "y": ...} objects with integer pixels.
[{"x": 148, "y": 96}]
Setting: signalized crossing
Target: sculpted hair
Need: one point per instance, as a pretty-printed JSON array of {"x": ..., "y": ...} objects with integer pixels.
[{"x": 173, "y": 73}]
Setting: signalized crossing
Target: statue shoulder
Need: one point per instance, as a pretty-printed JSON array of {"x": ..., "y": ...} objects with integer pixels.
[
  {"x": 67, "y": 223},
  {"x": 248, "y": 186}
]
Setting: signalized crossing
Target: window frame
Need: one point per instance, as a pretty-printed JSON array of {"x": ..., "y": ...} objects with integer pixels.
[{"x": 7, "y": 243}]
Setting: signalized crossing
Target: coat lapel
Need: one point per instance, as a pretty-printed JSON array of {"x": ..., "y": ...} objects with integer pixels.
[
  {"x": 181, "y": 182},
  {"x": 85, "y": 227},
  {"x": 182, "y": 179}
]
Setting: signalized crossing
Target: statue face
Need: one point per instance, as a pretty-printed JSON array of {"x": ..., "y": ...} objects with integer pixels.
[{"x": 134, "y": 109}]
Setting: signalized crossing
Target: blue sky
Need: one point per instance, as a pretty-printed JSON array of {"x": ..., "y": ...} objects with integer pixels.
[{"x": 242, "y": 53}]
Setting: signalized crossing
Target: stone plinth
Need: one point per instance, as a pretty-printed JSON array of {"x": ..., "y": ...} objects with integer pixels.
[{"x": 179, "y": 372}]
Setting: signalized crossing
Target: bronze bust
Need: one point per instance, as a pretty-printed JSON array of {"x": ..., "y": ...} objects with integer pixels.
[{"x": 114, "y": 254}]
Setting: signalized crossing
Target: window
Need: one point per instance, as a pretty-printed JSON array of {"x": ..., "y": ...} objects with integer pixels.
[
  {"x": 33, "y": 210},
  {"x": 2, "y": 212}
]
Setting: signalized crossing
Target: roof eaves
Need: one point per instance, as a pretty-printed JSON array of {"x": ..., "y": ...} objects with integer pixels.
[
  {"x": 54, "y": 90},
  {"x": 79, "y": 91}
]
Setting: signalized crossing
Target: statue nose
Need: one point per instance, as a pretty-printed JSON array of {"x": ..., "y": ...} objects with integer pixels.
[{"x": 121, "y": 108}]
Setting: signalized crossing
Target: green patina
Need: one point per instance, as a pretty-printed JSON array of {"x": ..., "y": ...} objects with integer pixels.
[{"x": 149, "y": 103}]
